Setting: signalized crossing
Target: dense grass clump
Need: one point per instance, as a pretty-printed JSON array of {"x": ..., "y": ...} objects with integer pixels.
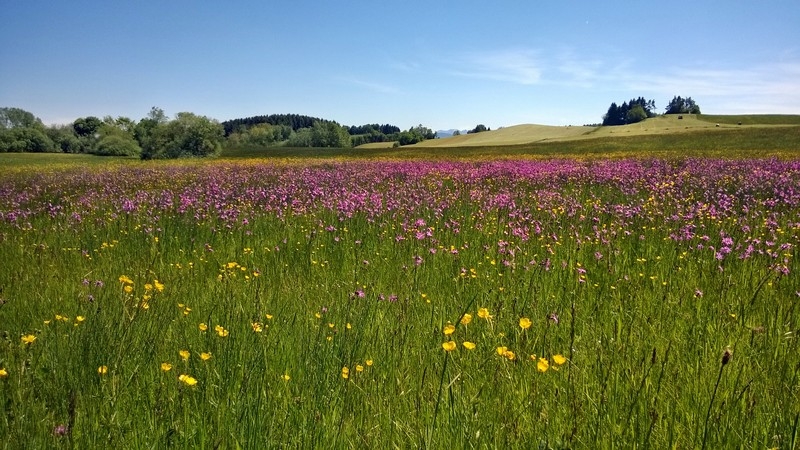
[{"x": 550, "y": 303}]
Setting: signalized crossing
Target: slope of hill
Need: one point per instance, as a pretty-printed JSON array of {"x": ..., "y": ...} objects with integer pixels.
[
  {"x": 661, "y": 125},
  {"x": 518, "y": 134}
]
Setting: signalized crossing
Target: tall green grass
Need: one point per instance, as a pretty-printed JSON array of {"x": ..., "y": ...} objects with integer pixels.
[{"x": 279, "y": 308}]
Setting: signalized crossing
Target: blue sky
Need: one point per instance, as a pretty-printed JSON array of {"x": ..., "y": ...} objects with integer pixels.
[{"x": 443, "y": 64}]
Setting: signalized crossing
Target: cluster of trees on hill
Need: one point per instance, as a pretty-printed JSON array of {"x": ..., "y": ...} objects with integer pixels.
[
  {"x": 638, "y": 109},
  {"x": 635, "y": 110},
  {"x": 187, "y": 134}
]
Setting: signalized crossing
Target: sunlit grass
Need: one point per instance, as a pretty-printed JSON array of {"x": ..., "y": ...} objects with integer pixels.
[{"x": 495, "y": 304}]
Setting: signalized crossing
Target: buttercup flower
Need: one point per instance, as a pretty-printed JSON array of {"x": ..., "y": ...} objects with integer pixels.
[
  {"x": 466, "y": 319},
  {"x": 449, "y": 346},
  {"x": 166, "y": 367},
  {"x": 202, "y": 326},
  {"x": 483, "y": 313},
  {"x": 102, "y": 370},
  {"x": 221, "y": 332},
  {"x": 524, "y": 323},
  {"x": 448, "y": 329},
  {"x": 345, "y": 372},
  {"x": 559, "y": 359},
  {"x": 184, "y": 354},
  {"x": 28, "y": 339},
  {"x": 187, "y": 380},
  {"x": 542, "y": 365},
  {"x": 468, "y": 345},
  {"x": 3, "y": 372},
  {"x": 205, "y": 356}
]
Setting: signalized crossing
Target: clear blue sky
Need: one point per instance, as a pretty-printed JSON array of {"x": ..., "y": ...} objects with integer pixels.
[{"x": 443, "y": 64}]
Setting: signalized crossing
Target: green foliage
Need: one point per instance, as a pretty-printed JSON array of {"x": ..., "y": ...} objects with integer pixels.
[
  {"x": 188, "y": 135},
  {"x": 679, "y": 105},
  {"x": 116, "y": 142},
  {"x": 478, "y": 129},
  {"x": 18, "y": 118},
  {"x": 25, "y": 139},
  {"x": 65, "y": 139},
  {"x": 635, "y": 110},
  {"x": 86, "y": 127},
  {"x": 293, "y": 121}
]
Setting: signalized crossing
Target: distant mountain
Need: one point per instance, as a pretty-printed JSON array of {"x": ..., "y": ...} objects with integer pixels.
[{"x": 448, "y": 133}]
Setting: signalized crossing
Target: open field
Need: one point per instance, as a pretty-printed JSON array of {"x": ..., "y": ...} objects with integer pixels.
[{"x": 340, "y": 302}]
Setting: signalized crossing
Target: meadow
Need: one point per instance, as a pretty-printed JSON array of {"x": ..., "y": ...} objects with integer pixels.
[{"x": 537, "y": 302}]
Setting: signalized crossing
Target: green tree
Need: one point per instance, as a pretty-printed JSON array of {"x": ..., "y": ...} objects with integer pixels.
[
  {"x": 25, "y": 139},
  {"x": 18, "y": 118},
  {"x": 114, "y": 141},
  {"x": 86, "y": 127},
  {"x": 635, "y": 114},
  {"x": 147, "y": 128},
  {"x": 188, "y": 135},
  {"x": 679, "y": 105},
  {"x": 63, "y": 136},
  {"x": 480, "y": 128},
  {"x": 329, "y": 134}
]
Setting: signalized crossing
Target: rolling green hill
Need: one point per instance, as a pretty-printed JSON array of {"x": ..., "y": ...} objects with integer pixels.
[{"x": 661, "y": 125}]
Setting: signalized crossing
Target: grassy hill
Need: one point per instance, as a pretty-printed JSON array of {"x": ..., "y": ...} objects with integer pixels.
[{"x": 661, "y": 125}]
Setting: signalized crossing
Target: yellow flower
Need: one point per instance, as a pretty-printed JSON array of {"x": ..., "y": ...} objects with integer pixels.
[
  {"x": 449, "y": 346},
  {"x": 202, "y": 326},
  {"x": 158, "y": 285},
  {"x": 368, "y": 362},
  {"x": 448, "y": 329},
  {"x": 345, "y": 372},
  {"x": 286, "y": 377},
  {"x": 125, "y": 280},
  {"x": 257, "y": 327},
  {"x": 268, "y": 316},
  {"x": 28, "y": 339},
  {"x": 525, "y": 323},
  {"x": 559, "y": 359},
  {"x": 205, "y": 356},
  {"x": 466, "y": 319},
  {"x": 222, "y": 332},
  {"x": 148, "y": 287},
  {"x": 359, "y": 368},
  {"x": 187, "y": 380},
  {"x": 80, "y": 319},
  {"x": 510, "y": 355},
  {"x": 184, "y": 354},
  {"x": 468, "y": 345},
  {"x": 483, "y": 313},
  {"x": 502, "y": 350},
  {"x": 542, "y": 365},
  {"x": 102, "y": 370},
  {"x": 3, "y": 372},
  {"x": 128, "y": 289},
  {"x": 166, "y": 367}
]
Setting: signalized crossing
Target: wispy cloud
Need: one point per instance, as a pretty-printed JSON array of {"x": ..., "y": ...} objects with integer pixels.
[
  {"x": 516, "y": 66},
  {"x": 766, "y": 88}
]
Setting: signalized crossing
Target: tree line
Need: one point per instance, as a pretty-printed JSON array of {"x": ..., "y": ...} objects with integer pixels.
[
  {"x": 187, "y": 134},
  {"x": 638, "y": 109}
]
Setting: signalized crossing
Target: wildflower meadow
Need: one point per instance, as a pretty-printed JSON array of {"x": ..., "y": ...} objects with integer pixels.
[{"x": 559, "y": 303}]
